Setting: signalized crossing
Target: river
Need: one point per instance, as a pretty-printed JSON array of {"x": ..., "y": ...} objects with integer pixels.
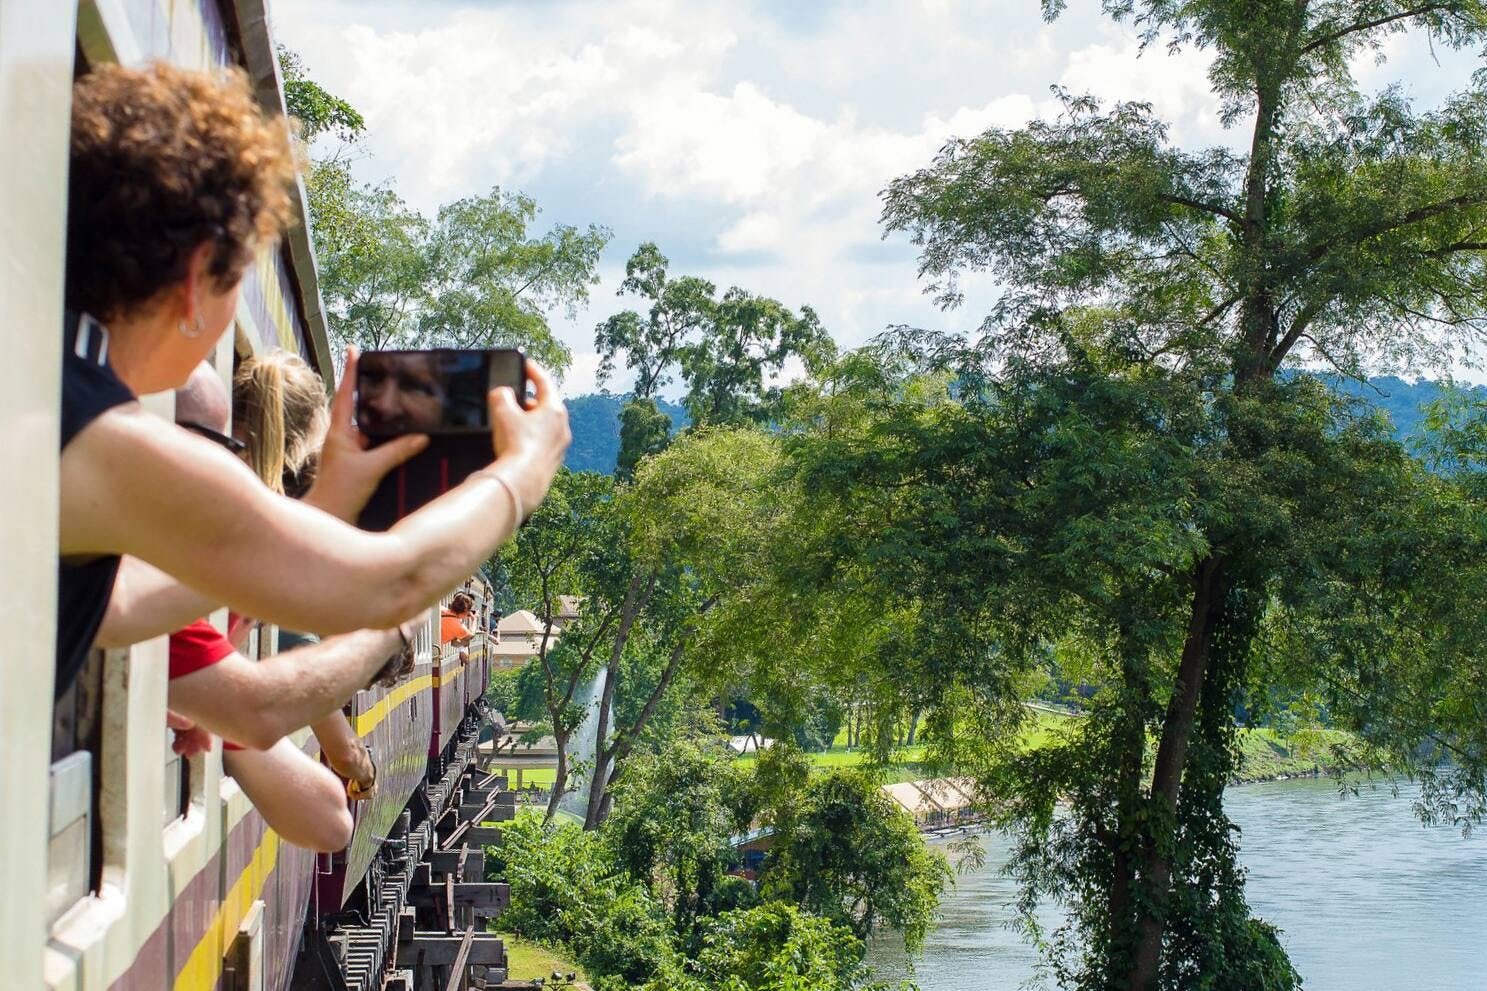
[{"x": 1367, "y": 899}]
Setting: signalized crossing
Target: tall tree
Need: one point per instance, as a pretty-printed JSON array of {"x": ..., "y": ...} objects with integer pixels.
[
  {"x": 698, "y": 515},
  {"x": 1123, "y": 463},
  {"x": 571, "y": 544},
  {"x": 493, "y": 280},
  {"x": 725, "y": 351}
]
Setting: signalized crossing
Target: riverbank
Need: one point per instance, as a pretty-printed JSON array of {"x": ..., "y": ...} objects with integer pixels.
[
  {"x": 1265, "y": 755},
  {"x": 1365, "y": 898}
]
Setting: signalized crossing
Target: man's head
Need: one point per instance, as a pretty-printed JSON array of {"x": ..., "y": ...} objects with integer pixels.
[
  {"x": 460, "y": 604},
  {"x": 203, "y": 401},
  {"x": 398, "y": 393}
]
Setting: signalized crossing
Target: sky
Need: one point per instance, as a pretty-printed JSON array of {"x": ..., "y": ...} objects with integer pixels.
[{"x": 749, "y": 139}]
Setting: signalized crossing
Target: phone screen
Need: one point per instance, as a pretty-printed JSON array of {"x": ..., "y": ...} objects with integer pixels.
[{"x": 441, "y": 391}]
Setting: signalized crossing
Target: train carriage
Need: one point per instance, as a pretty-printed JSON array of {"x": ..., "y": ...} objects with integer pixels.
[{"x": 129, "y": 867}]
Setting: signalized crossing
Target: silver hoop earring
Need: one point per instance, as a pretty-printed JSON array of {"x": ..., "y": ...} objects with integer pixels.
[{"x": 195, "y": 330}]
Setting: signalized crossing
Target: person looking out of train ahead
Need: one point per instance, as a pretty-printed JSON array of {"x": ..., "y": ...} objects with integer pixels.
[
  {"x": 452, "y": 620},
  {"x": 175, "y": 180}
]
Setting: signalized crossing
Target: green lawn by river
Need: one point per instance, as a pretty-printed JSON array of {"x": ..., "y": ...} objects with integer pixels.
[{"x": 1264, "y": 753}]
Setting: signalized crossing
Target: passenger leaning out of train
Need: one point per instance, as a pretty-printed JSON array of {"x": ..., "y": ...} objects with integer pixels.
[
  {"x": 452, "y": 629},
  {"x": 258, "y": 704},
  {"x": 176, "y": 180}
]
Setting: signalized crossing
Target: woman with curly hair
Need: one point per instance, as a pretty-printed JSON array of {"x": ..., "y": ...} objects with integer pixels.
[{"x": 176, "y": 179}]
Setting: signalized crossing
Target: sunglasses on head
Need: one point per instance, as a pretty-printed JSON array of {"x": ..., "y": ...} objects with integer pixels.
[{"x": 216, "y": 436}]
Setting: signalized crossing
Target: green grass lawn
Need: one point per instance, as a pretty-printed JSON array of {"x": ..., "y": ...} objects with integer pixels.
[
  {"x": 526, "y": 960},
  {"x": 1264, "y": 752},
  {"x": 907, "y": 763}
]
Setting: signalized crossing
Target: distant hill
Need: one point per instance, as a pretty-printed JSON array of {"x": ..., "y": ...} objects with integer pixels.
[
  {"x": 595, "y": 422},
  {"x": 595, "y": 419},
  {"x": 1405, "y": 403}
]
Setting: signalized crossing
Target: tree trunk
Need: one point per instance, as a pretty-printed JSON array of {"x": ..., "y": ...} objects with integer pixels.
[
  {"x": 637, "y": 596},
  {"x": 1209, "y": 588},
  {"x": 913, "y": 725},
  {"x": 1127, "y": 756},
  {"x": 560, "y": 777}
]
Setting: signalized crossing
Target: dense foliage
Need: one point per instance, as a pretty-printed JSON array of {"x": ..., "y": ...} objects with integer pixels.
[{"x": 651, "y": 899}]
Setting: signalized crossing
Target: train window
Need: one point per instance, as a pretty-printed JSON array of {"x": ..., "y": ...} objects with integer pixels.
[
  {"x": 75, "y": 837},
  {"x": 70, "y": 833},
  {"x": 176, "y": 798}
]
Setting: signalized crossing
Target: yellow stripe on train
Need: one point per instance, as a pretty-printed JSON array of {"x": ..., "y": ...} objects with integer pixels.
[
  {"x": 367, "y": 721},
  {"x": 204, "y": 965}
]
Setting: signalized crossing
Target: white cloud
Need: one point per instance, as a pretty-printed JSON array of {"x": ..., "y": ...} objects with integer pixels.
[{"x": 748, "y": 138}]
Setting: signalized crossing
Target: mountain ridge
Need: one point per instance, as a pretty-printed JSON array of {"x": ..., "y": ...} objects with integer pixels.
[{"x": 595, "y": 418}]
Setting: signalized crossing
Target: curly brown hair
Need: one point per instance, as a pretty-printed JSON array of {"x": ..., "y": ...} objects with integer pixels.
[{"x": 163, "y": 161}]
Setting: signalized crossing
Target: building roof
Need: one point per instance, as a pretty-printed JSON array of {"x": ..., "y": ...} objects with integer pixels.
[
  {"x": 521, "y": 621},
  {"x": 933, "y": 795}
]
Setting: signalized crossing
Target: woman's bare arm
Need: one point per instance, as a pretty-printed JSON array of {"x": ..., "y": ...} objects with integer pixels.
[
  {"x": 191, "y": 509},
  {"x": 146, "y": 602},
  {"x": 301, "y": 800},
  {"x": 343, "y": 750},
  {"x": 254, "y": 703}
]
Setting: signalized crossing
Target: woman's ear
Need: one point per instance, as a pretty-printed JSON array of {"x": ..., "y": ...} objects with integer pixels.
[{"x": 198, "y": 275}]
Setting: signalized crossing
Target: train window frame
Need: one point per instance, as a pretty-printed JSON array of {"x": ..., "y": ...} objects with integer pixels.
[{"x": 75, "y": 788}]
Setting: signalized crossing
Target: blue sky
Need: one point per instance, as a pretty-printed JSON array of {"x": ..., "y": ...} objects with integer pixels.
[{"x": 748, "y": 138}]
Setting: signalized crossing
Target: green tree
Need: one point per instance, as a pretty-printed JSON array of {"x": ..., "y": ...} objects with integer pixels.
[
  {"x": 675, "y": 817},
  {"x": 493, "y": 281},
  {"x": 774, "y": 947},
  {"x": 572, "y": 544},
  {"x": 1121, "y": 470},
  {"x": 567, "y": 891},
  {"x": 725, "y": 351},
  {"x": 318, "y": 111},
  {"x": 848, "y": 853},
  {"x": 698, "y": 515}
]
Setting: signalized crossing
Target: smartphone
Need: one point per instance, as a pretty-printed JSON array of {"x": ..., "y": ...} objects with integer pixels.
[
  {"x": 438, "y": 392},
  {"x": 441, "y": 393}
]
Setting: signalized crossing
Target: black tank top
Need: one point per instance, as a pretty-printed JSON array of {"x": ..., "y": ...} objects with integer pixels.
[{"x": 89, "y": 389}]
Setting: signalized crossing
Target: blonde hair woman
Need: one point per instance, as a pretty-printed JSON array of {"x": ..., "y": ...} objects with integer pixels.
[{"x": 279, "y": 412}]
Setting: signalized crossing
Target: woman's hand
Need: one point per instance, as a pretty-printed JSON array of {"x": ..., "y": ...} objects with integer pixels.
[
  {"x": 350, "y": 467},
  {"x": 361, "y": 778},
  {"x": 531, "y": 441},
  {"x": 190, "y": 739}
]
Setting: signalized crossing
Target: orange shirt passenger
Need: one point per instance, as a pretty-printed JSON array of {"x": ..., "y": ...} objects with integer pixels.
[{"x": 452, "y": 628}]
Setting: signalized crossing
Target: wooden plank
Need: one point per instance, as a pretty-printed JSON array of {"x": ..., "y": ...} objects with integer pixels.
[
  {"x": 480, "y": 895},
  {"x": 484, "y": 836},
  {"x": 461, "y": 967},
  {"x": 448, "y": 862},
  {"x": 441, "y": 949}
]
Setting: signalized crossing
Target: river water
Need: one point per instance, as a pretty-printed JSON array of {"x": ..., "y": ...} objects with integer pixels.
[{"x": 1367, "y": 899}]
